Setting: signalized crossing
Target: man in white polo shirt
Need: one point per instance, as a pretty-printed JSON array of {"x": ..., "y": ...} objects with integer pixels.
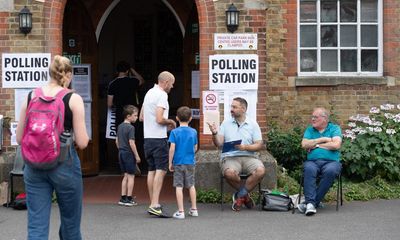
[
  {"x": 241, "y": 158},
  {"x": 154, "y": 114}
]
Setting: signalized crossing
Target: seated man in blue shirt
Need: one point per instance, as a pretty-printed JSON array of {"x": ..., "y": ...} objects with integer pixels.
[
  {"x": 242, "y": 158},
  {"x": 322, "y": 141}
]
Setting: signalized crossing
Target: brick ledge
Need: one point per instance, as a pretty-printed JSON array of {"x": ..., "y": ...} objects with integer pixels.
[{"x": 335, "y": 81}]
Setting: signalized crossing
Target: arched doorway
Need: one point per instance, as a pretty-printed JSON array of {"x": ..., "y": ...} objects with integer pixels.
[{"x": 152, "y": 35}]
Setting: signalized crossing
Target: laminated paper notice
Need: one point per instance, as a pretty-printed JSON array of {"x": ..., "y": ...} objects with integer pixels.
[{"x": 210, "y": 117}]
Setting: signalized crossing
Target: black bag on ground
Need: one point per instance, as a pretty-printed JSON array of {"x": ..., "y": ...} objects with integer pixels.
[{"x": 276, "y": 201}]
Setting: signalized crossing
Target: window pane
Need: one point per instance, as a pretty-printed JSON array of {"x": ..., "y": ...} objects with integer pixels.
[
  {"x": 308, "y": 36},
  {"x": 348, "y": 11},
  {"x": 308, "y": 11},
  {"x": 348, "y": 36},
  {"x": 328, "y": 11},
  {"x": 348, "y": 61},
  {"x": 329, "y": 61},
  {"x": 369, "y": 36},
  {"x": 308, "y": 60},
  {"x": 369, "y": 60},
  {"x": 369, "y": 11},
  {"x": 329, "y": 36}
]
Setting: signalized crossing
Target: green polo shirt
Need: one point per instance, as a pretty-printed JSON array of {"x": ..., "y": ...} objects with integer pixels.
[{"x": 332, "y": 130}]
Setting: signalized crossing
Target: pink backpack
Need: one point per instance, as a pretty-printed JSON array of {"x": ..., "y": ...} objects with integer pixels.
[{"x": 40, "y": 145}]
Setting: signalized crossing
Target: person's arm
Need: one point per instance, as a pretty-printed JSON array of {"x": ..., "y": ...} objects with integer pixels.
[
  {"x": 163, "y": 121},
  {"x": 21, "y": 122},
  {"x": 334, "y": 144},
  {"x": 171, "y": 157},
  {"x": 116, "y": 142},
  {"x": 78, "y": 121},
  {"x": 312, "y": 143},
  {"x": 218, "y": 140},
  {"x": 138, "y": 76},
  {"x": 134, "y": 150},
  {"x": 195, "y": 148},
  {"x": 110, "y": 100},
  {"x": 256, "y": 146},
  {"x": 141, "y": 115}
]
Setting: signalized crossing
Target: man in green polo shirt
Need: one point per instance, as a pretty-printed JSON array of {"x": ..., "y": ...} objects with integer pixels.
[{"x": 322, "y": 141}]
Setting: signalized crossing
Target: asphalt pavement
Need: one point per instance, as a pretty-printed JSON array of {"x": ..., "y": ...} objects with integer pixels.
[{"x": 375, "y": 220}]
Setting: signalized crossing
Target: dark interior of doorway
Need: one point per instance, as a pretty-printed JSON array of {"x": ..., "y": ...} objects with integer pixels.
[{"x": 149, "y": 37}]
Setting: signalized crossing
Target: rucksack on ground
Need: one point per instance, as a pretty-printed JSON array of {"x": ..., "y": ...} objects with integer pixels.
[
  {"x": 20, "y": 202},
  {"x": 40, "y": 145}
]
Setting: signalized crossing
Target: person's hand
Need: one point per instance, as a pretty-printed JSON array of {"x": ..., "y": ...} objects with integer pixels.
[
  {"x": 171, "y": 125},
  {"x": 213, "y": 128},
  {"x": 138, "y": 160},
  {"x": 170, "y": 167},
  {"x": 241, "y": 147}
]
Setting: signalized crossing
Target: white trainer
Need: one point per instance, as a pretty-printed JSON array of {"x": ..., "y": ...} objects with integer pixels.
[
  {"x": 179, "y": 215},
  {"x": 310, "y": 209},
  {"x": 193, "y": 213}
]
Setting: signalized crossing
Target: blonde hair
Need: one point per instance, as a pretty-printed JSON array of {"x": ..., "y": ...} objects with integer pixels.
[{"x": 59, "y": 69}]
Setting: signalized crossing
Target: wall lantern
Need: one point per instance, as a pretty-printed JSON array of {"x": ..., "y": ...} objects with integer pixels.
[
  {"x": 25, "y": 20},
  {"x": 232, "y": 18}
]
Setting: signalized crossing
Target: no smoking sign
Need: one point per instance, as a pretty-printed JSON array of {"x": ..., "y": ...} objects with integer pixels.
[{"x": 210, "y": 101}]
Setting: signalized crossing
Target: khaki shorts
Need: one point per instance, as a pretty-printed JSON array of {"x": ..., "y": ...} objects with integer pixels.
[{"x": 241, "y": 164}]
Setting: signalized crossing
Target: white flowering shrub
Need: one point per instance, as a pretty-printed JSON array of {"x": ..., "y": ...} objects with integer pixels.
[{"x": 371, "y": 144}]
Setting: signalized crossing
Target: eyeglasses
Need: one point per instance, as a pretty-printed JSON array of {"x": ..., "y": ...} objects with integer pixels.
[{"x": 313, "y": 117}]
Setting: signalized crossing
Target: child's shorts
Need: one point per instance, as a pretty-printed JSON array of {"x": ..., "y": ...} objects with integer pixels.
[
  {"x": 184, "y": 176},
  {"x": 127, "y": 162}
]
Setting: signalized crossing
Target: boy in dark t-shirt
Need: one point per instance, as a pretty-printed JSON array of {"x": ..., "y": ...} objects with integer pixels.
[{"x": 128, "y": 154}]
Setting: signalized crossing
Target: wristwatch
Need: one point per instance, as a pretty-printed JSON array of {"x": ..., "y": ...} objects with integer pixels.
[{"x": 317, "y": 146}]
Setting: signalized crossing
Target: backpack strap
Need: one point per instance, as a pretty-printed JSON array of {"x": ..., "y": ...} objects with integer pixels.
[
  {"x": 62, "y": 93},
  {"x": 38, "y": 92}
]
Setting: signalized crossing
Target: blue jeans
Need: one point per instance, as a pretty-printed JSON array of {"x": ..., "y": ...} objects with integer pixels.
[
  {"x": 327, "y": 171},
  {"x": 66, "y": 181}
]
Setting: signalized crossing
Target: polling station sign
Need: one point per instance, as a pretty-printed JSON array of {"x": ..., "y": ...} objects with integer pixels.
[
  {"x": 233, "y": 71},
  {"x": 25, "y": 70}
]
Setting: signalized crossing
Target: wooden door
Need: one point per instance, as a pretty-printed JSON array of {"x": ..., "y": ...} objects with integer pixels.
[
  {"x": 191, "y": 62},
  {"x": 79, "y": 40}
]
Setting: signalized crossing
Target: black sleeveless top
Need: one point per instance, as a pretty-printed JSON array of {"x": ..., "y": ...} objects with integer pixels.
[{"x": 67, "y": 110}]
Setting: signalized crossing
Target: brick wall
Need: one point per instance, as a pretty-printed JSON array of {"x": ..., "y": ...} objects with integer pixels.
[
  {"x": 212, "y": 20},
  {"x": 285, "y": 103},
  {"x": 277, "y": 41}
]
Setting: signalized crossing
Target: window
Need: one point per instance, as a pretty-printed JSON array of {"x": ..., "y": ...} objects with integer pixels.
[{"x": 340, "y": 38}]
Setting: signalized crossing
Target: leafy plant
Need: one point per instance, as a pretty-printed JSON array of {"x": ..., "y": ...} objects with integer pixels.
[
  {"x": 285, "y": 146},
  {"x": 208, "y": 196},
  {"x": 371, "y": 146}
]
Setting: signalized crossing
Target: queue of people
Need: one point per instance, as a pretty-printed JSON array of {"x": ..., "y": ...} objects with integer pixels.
[{"x": 322, "y": 140}]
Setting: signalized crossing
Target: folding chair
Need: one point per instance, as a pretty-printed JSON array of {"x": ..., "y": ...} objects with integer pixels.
[
  {"x": 18, "y": 170},
  {"x": 242, "y": 177},
  {"x": 339, "y": 192}
]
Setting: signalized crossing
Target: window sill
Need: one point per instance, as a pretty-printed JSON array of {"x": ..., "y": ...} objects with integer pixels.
[{"x": 335, "y": 81}]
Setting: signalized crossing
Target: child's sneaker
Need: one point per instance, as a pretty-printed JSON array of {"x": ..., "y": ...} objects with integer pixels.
[
  {"x": 130, "y": 202},
  {"x": 122, "y": 201},
  {"x": 193, "y": 212},
  {"x": 179, "y": 215}
]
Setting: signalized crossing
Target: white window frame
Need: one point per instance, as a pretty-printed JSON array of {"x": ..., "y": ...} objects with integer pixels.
[{"x": 378, "y": 73}]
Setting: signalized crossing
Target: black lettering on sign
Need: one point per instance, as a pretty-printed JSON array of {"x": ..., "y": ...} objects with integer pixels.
[{"x": 234, "y": 78}]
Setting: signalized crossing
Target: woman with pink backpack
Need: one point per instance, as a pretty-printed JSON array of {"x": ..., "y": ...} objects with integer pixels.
[{"x": 50, "y": 118}]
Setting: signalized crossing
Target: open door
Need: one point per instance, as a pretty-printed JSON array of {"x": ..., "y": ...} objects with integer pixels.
[
  {"x": 79, "y": 43},
  {"x": 191, "y": 63}
]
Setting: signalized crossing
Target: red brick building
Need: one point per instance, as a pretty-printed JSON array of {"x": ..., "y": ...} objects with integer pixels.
[{"x": 343, "y": 55}]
